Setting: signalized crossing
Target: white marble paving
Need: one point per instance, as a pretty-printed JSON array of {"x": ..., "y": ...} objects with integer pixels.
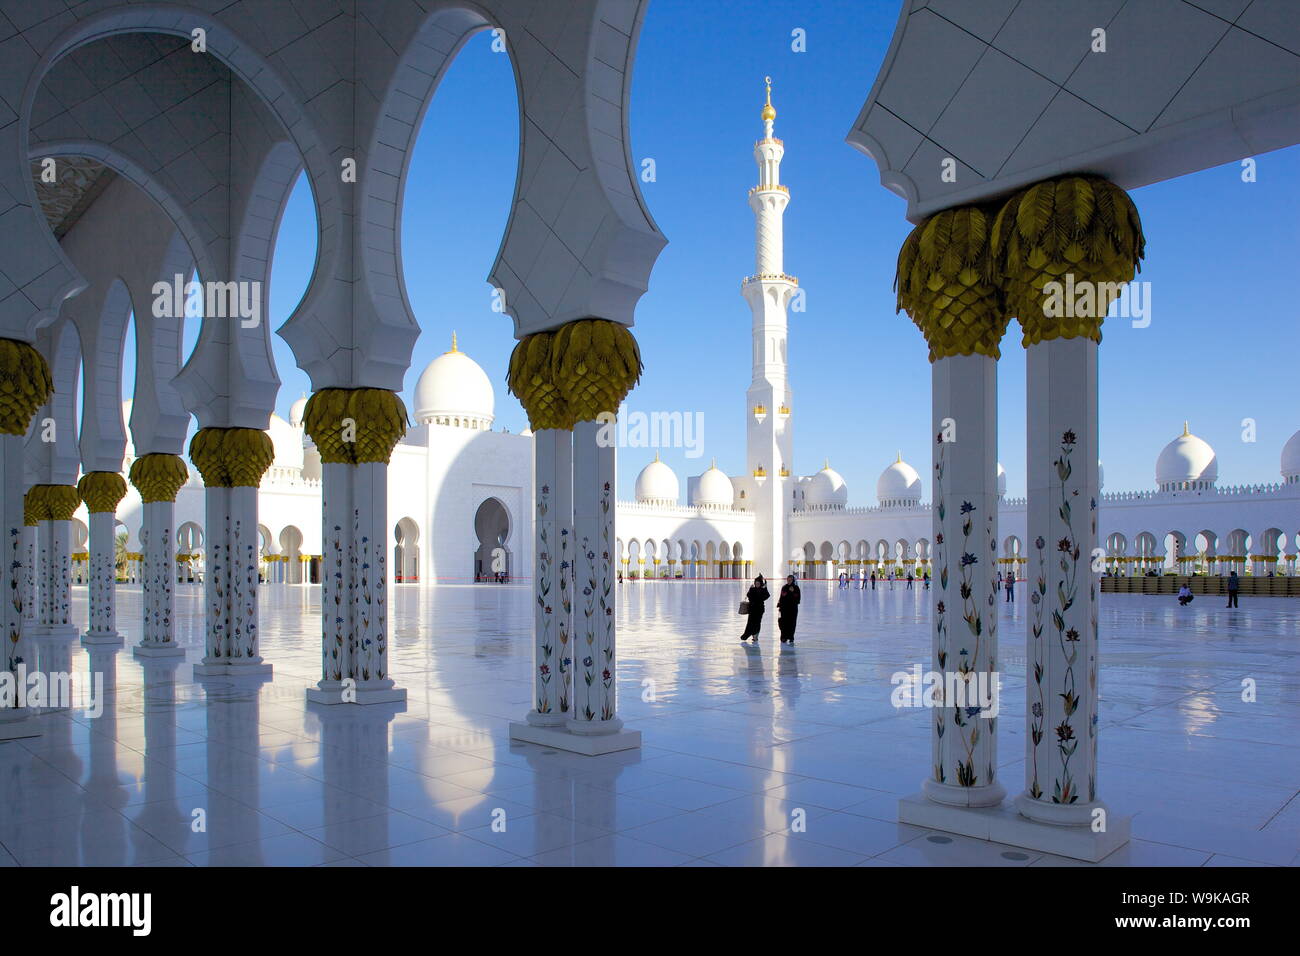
[{"x": 753, "y": 755}]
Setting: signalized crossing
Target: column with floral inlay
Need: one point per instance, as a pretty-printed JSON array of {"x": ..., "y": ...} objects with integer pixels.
[
  {"x": 355, "y": 431},
  {"x": 102, "y": 491},
  {"x": 158, "y": 477},
  {"x": 945, "y": 285},
  {"x": 27, "y": 375},
  {"x": 1063, "y": 247}
]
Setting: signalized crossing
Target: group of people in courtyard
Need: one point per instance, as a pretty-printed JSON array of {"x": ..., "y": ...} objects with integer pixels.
[
  {"x": 787, "y": 604},
  {"x": 787, "y": 609},
  {"x": 846, "y": 582},
  {"x": 1185, "y": 596}
]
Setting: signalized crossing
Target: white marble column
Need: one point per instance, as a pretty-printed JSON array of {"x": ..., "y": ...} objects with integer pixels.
[
  {"x": 216, "y": 578},
  {"x": 964, "y": 608},
  {"x": 30, "y": 575},
  {"x": 595, "y": 697},
  {"x": 592, "y": 725},
  {"x": 354, "y": 593},
  {"x": 370, "y": 531},
  {"x": 14, "y": 572},
  {"x": 1061, "y": 731},
  {"x": 102, "y": 580},
  {"x": 552, "y": 597},
  {"x": 56, "y": 590},
  {"x": 159, "y": 630},
  {"x": 242, "y": 647}
]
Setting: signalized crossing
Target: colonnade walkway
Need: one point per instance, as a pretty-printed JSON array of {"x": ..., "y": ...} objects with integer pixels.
[{"x": 757, "y": 754}]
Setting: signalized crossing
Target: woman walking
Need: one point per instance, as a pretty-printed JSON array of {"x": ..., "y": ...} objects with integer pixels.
[
  {"x": 755, "y": 596},
  {"x": 787, "y": 610}
]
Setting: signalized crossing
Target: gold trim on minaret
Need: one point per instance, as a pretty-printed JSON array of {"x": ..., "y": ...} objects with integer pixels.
[{"x": 769, "y": 111}]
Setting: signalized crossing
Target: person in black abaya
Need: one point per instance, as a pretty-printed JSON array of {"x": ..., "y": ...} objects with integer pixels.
[
  {"x": 787, "y": 610},
  {"x": 756, "y": 596}
]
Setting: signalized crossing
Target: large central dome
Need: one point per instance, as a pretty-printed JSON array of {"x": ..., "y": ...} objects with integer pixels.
[{"x": 454, "y": 390}]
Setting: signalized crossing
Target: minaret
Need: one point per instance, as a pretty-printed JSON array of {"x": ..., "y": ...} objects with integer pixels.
[{"x": 768, "y": 401}]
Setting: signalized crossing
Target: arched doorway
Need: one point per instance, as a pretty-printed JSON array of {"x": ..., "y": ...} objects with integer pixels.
[
  {"x": 492, "y": 527},
  {"x": 189, "y": 553},
  {"x": 406, "y": 551},
  {"x": 291, "y": 547}
]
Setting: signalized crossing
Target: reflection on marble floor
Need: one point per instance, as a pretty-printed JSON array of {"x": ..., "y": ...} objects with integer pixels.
[{"x": 737, "y": 739}]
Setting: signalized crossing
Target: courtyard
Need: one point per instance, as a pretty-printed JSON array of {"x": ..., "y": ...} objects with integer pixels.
[{"x": 762, "y": 754}]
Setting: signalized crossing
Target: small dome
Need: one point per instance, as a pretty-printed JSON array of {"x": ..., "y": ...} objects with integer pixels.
[
  {"x": 826, "y": 490},
  {"x": 1186, "y": 463},
  {"x": 1002, "y": 481},
  {"x": 288, "y": 444},
  {"x": 714, "y": 489},
  {"x": 898, "y": 484},
  {"x": 296, "y": 411},
  {"x": 657, "y": 484},
  {"x": 1291, "y": 459},
  {"x": 454, "y": 390}
]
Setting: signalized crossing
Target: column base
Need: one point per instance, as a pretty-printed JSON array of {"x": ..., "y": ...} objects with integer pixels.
[
  {"x": 553, "y": 719},
  {"x": 225, "y": 668},
  {"x": 1004, "y": 824},
  {"x": 950, "y": 796},
  {"x": 16, "y": 723},
  {"x": 591, "y": 745},
  {"x": 103, "y": 638},
  {"x": 158, "y": 650},
  {"x": 594, "y": 728},
  {"x": 1058, "y": 814},
  {"x": 57, "y": 632},
  {"x": 364, "y": 692}
]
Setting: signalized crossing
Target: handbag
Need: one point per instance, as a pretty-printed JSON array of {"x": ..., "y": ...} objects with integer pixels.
[{"x": 744, "y": 607}]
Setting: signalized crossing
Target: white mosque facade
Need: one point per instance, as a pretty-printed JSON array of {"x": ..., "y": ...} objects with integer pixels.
[{"x": 460, "y": 492}]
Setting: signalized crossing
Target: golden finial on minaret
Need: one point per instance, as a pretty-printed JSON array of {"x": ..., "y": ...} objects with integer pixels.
[
  {"x": 453, "y": 343},
  {"x": 769, "y": 111},
  {"x": 1185, "y": 431}
]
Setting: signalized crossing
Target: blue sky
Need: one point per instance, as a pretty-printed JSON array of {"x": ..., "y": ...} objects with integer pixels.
[{"x": 1220, "y": 257}]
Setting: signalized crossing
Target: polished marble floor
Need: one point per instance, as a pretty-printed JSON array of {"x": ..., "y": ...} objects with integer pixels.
[{"x": 737, "y": 741}]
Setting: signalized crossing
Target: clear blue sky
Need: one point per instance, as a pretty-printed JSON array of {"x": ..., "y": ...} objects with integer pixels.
[{"x": 1221, "y": 257}]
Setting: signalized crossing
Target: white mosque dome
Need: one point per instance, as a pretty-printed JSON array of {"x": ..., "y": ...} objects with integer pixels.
[
  {"x": 296, "y": 411},
  {"x": 899, "y": 484},
  {"x": 288, "y": 444},
  {"x": 454, "y": 390},
  {"x": 657, "y": 484},
  {"x": 714, "y": 489},
  {"x": 1291, "y": 459},
  {"x": 1187, "y": 463},
  {"x": 1002, "y": 481},
  {"x": 826, "y": 490}
]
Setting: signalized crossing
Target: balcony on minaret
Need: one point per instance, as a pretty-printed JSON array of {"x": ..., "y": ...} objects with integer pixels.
[
  {"x": 768, "y": 277},
  {"x": 760, "y": 413},
  {"x": 760, "y": 474},
  {"x": 785, "y": 472},
  {"x": 769, "y": 188},
  {"x": 784, "y": 411}
]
